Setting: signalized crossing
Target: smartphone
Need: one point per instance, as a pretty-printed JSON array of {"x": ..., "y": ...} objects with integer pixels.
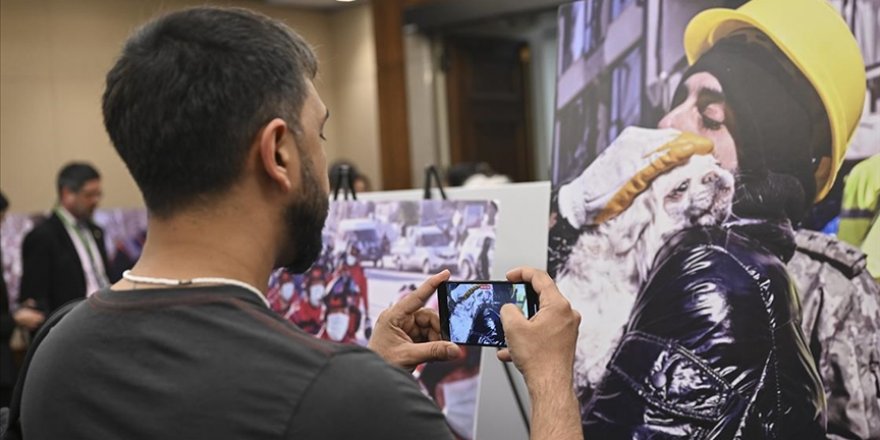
[{"x": 470, "y": 311}]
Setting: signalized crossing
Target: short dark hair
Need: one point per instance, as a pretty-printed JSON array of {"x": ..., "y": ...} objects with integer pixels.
[
  {"x": 190, "y": 91},
  {"x": 74, "y": 175},
  {"x": 4, "y": 203}
]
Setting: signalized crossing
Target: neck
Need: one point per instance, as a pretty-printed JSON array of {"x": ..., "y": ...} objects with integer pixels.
[
  {"x": 215, "y": 243},
  {"x": 69, "y": 212}
]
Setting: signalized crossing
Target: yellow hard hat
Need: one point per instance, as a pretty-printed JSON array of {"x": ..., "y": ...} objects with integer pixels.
[{"x": 818, "y": 42}]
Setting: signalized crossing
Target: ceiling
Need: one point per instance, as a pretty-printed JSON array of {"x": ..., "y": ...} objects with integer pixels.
[
  {"x": 439, "y": 14},
  {"x": 312, "y": 4},
  {"x": 431, "y": 14}
]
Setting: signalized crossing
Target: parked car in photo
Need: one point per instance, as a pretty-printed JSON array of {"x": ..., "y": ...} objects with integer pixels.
[
  {"x": 363, "y": 233},
  {"x": 469, "y": 264},
  {"x": 425, "y": 248}
]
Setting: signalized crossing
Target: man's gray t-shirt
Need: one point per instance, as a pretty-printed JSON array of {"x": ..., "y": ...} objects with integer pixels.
[{"x": 211, "y": 363}]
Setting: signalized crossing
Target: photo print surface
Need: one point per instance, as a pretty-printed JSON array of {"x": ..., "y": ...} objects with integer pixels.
[
  {"x": 619, "y": 64},
  {"x": 375, "y": 253}
]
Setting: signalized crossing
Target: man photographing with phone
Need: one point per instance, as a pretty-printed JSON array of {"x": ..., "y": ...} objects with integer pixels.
[
  {"x": 215, "y": 114},
  {"x": 542, "y": 348}
]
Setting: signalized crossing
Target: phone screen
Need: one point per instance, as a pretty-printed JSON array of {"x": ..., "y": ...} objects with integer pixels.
[{"x": 470, "y": 311}]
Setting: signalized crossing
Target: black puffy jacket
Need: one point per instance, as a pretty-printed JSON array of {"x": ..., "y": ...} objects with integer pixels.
[{"x": 713, "y": 348}]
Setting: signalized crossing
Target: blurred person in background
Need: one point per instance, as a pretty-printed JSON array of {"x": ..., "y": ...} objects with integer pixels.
[
  {"x": 64, "y": 258},
  {"x": 860, "y": 210},
  {"x": 8, "y": 369}
]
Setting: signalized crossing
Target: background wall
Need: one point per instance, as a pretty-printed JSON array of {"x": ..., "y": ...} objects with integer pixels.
[
  {"x": 426, "y": 85},
  {"x": 355, "y": 113},
  {"x": 53, "y": 58}
]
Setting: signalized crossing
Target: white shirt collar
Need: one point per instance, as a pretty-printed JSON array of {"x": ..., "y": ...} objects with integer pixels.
[{"x": 67, "y": 216}]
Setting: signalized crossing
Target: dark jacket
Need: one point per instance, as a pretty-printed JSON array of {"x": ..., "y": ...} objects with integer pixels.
[
  {"x": 713, "y": 348},
  {"x": 52, "y": 273},
  {"x": 8, "y": 370}
]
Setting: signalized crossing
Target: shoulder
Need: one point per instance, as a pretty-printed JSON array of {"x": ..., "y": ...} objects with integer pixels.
[
  {"x": 712, "y": 266},
  {"x": 375, "y": 399},
  {"x": 359, "y": 369},
  {"x": 695, "y": 251},
  {"x": 824, "y": 263},
  {"x": 45, "y": 231},
  {"x": 815, "y": 249},
  {"x": 707, "y": 237},
  {"x": 866, "y": 170},
  {"x": 46, "y": 224}
]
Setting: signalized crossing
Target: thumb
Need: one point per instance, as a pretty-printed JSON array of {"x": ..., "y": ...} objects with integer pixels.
[
  {"x": 504, "y": 355},
  {"x": 511, "y": 316},
  {"x": 431, "y": 351}
]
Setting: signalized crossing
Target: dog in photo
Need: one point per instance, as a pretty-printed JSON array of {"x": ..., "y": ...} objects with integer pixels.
[{"x": 610, "y": 261}]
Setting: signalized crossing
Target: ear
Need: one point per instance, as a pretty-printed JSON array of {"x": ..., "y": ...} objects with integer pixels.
[
  {"x": 65, "y": 196},
  {"x": 277, "y": 153}
]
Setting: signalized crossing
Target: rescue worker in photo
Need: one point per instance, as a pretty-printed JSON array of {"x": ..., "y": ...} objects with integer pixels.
[
  {"x": 307, "y": 311},
  {"x": 341, "y": 316},
  {"x": 282, "y": 291},
  {"x": 351, "y": 267}
]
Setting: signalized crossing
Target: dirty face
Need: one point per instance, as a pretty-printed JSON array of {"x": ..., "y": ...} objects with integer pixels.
[
  {"x": 700, "y": 107},
  {"x": 697, "y": 193}
]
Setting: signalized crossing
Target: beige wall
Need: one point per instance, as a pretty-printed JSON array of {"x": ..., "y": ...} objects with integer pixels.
[
  {"x": 354, "y": 115},
  {"x": 53, "y": 58}
]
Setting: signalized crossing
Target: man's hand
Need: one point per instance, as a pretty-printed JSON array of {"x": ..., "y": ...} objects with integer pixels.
[
  {"x": 545, "y": 344},
  {"x": 408, "y": 334},
  {"x": 29, "y": 318},
  {"x": 542, "y": 348}
]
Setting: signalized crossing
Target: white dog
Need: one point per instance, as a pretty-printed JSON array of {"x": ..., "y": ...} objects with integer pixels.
[{"x": 609, "y": 262}]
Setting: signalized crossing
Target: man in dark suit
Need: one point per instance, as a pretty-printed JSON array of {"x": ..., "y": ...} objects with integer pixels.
[
  {"x": 63, "y": 258},
  {"x": 7, "y": 366}
]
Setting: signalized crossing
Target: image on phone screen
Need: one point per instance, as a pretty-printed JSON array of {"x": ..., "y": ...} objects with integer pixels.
[{"x": 473, "y": 310}]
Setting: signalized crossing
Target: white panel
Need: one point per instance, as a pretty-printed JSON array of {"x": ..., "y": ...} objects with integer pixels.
[{"x": 521, "y": 241}]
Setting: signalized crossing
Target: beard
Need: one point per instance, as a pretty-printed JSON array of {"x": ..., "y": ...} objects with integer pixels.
[{"x": 304, "y": 220}]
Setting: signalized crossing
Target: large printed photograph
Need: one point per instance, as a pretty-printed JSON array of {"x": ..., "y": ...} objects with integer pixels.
[
  {"x": 374, "y": 253},
  {"x": 669, "y": 119}
]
